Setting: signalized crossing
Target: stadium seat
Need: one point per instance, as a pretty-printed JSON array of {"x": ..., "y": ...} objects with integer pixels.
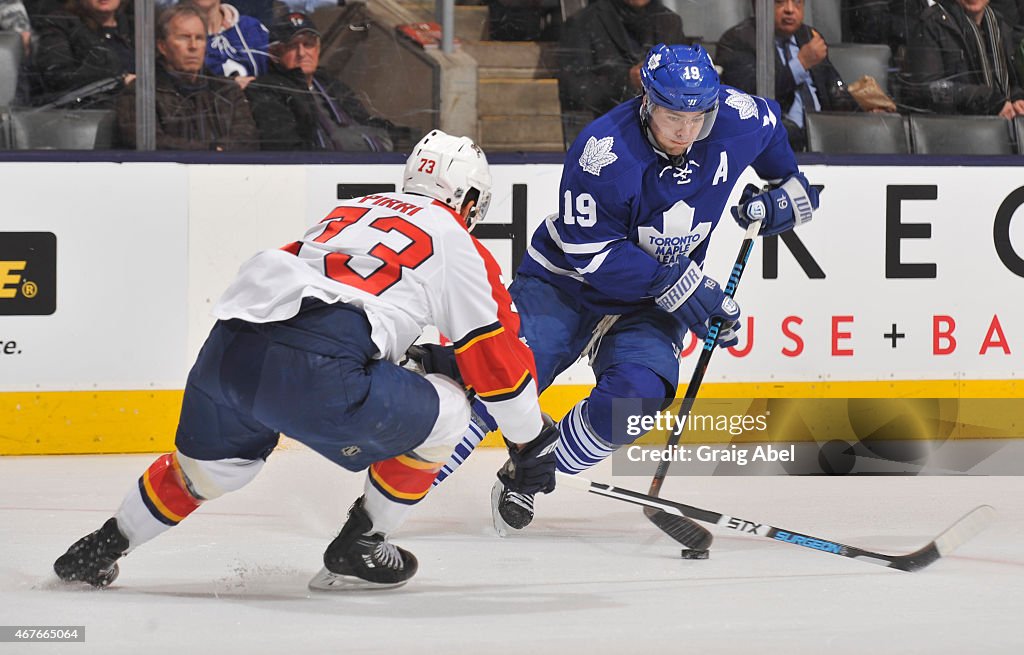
[
  {"x": 826, "y": 17},
  {"x": 10, "y": 62},
  {"x": 854, "y": 60},
  {"x": 56, "y": 129},
  {"x": 844, "y": 133},
  {"x": 960, "y": 135},
  {"x": 708, "y": 19}
]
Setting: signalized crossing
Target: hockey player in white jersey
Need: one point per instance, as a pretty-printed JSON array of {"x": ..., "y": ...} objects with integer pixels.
[
  {"x": 308, "y": 343},
  {"x": 619, "y": 267}
]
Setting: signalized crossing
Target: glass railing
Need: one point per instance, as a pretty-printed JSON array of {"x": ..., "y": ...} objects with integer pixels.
[{"x": 868, "y": 77}]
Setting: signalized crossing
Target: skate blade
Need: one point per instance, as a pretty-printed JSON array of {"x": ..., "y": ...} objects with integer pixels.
[
  {"x": 327, "y": 581},
  {"x": 500, "y": 527}
]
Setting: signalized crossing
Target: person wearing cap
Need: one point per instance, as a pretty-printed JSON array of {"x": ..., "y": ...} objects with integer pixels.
[
  {"x": 297, "y": 108},
  {"x": 236, "y": 45},
  {"x": 193, "y": 111}
]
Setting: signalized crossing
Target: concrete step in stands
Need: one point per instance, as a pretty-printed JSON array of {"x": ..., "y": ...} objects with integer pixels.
[{"x": 517, "y": 96}]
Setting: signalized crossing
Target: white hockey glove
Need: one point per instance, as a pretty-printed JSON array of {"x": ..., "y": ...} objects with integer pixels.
[{"x": 780, "y": 208}]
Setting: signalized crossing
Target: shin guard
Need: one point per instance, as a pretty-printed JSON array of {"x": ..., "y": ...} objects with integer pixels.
[{"x": 160, "y": 500}]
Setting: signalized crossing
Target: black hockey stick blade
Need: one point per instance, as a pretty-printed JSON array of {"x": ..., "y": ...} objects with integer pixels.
[
  {"x": 680, "y": 528},
  {"x": 952, "y": 538}
]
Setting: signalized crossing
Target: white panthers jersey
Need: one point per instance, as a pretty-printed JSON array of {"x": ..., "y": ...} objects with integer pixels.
[{"x": 408, "y": 262}]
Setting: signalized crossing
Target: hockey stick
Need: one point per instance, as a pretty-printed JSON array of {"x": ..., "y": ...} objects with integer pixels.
[
  {"x": 953, "y": 537},
  {"x": 687, "y": 532}
]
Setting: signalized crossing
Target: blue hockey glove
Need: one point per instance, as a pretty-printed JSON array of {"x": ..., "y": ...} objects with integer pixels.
[
  {"x": 697, "y": 299},
  {"x": 709, "y": 302},
  {"x": 530, "y": 469},
  {"x": 779, "y": 209}
]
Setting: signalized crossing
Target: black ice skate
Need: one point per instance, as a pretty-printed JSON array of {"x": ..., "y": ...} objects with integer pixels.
[
  {"x": 510, "y": 510},
  {"x": 93, "y": 558},
  {"x": 361, "y": 559}
]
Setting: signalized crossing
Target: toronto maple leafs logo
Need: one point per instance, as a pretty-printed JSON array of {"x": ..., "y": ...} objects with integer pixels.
[
  {"x": 742, "y": 103},
  {"x": 597, "y": 154},
  {"x": 654, "y": 61},
  {"x": 678, "y": 235}
]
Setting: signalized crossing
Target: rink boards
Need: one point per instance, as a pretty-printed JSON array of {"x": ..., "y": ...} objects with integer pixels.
[{"x": 906, "y": 284}]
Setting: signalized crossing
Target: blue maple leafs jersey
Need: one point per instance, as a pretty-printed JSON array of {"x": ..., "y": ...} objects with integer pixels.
[{"x": 629, "y": 222}]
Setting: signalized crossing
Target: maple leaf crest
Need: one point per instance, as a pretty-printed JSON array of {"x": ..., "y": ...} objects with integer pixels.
[
  {"x": 654, "y": 61},
  {"x": 597, "y": 154},
  {"x": 742, "y": 103}
]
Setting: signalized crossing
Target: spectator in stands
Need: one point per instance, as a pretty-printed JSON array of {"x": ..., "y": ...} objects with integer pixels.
[
  {"x": 600, "y": 53},
  {"x": 14, "y": 18},
  {"x": 805, "y": 79},
  {"x": 960, "y": 61},
  {"x": 1011, "y": 11},
  {"x": 193, "y": 111},
  {"x": 265, "y": 10},
  {"x": 236, "y": 46},
  {"x": 297, "y": 108},
  {"x": 88, "y": 43}
]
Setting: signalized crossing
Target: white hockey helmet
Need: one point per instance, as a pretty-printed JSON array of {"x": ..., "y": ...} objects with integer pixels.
[{"x": 450, "y": 169}]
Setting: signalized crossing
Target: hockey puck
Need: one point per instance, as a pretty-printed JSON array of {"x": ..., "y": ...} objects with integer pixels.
[{"x": 686, "y": 553}]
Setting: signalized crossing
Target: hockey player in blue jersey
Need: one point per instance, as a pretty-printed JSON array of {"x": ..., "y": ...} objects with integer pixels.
[{"x": 617, "y": 271}]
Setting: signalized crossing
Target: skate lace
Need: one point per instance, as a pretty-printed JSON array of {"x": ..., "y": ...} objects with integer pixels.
[
  {"x": 523, "y": 500},
  {"x": 387, "y": 554}
]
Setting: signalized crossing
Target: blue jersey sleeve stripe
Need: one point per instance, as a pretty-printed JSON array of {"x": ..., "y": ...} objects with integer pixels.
[
  {"x": 573, "y": 248},
  {"x": 546, "y": 264},
  {"x": 594, "y": 264}
]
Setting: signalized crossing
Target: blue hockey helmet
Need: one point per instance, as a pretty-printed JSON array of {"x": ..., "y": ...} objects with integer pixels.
[{"x": 682, "y": 78}]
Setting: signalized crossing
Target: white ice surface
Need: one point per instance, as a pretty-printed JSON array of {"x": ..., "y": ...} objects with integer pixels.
[{"x": 590, "y": 576}]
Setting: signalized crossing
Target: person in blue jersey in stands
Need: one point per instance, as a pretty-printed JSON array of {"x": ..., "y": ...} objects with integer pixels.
[{"x": 617, "y": 272}]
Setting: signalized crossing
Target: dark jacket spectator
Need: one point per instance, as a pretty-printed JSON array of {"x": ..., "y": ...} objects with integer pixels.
[
  {"x": 738, "y": 58},
  {"x": 210, "y": 113},
  {"x": 952, "y": 67},
  {"x": 193, "y": 111},
  {"x": 297, "y": 108},
  {"x": 87, "y": 41},
  {"x": 889, "y": 22},
  {"x": 601, "y": 49},
  {"x": 1012, "y": 11},
  {"x": 292, "y": 115}
]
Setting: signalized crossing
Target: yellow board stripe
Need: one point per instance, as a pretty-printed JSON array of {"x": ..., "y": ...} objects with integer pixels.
[
  {"x": 157, "y": 503},
  {"x": 88, "y": 422},
  {"x": 95, "y": 422},
  {"x": 481, "y": 337}
]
